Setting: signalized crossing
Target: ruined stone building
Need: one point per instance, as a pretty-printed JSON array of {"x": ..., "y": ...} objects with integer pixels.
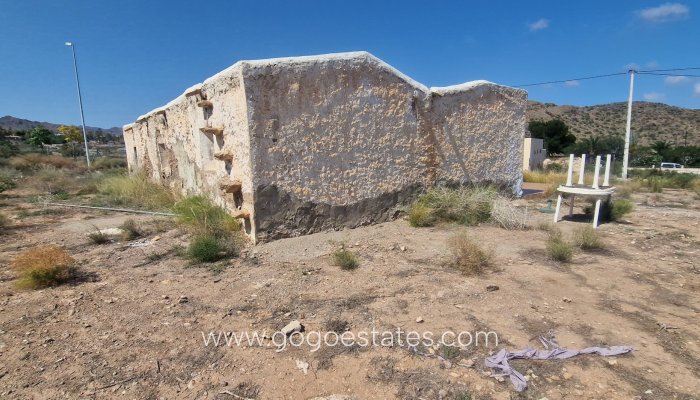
[{"x": 303, "y": 144}]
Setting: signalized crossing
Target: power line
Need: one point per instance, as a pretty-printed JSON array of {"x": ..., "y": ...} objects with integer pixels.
[
  {"x": 641, "y": 72},
  {"x": 573, "y": 79},
  {"x": 668, "y": 70},
  {"x": 654, "y": 73}
]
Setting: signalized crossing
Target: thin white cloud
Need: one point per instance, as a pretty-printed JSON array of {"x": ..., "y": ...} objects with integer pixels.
[
  {"x": 676, "y": 80},
  {"x": 696, "y": 89},
  {"x": 539, "y": 25},
  {"x": 664, "y": 13},
  {"x": 654, "y": 96},
  {"x": 571, "y": 83}
]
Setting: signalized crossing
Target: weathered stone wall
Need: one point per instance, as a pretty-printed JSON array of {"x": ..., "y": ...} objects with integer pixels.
[
  {"x": 479, "y": 129},
  {"x": 330, "y": 136},
  {"x": 315, "y": 143}
]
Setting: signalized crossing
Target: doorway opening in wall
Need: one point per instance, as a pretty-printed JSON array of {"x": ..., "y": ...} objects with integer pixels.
[
  {"x": 136, "y": 159},
  {"x": 246, "y": 226},
  {"x": 238, "y": 199}
]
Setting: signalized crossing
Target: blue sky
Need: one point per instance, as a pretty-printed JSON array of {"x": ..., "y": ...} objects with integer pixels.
[{"x": 137, "y": 55}]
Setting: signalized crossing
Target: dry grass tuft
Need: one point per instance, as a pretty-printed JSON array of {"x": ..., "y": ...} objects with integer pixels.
[
  {"x": 44, "y": 266},
  {"x": 34, "y": 161},
  {"x": 135, "y": 191},
  {"x": 130, "y": 230},
  {"x": 345, "y": 259},
  {"x": 587, "y": 238},
  {"x": 468, "y": 256},
  {"x": 508, "y": 216},
  {"x": 558, "y": 248}
]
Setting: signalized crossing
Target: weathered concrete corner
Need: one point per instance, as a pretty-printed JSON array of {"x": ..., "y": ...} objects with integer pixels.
[{"x": 298, "y": 145}]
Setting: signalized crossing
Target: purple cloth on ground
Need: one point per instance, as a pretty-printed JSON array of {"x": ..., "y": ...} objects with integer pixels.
[{"x": 500, "y": 360}]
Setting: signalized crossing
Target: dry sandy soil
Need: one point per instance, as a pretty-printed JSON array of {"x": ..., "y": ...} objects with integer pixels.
[{"x": 125, "y": 331}]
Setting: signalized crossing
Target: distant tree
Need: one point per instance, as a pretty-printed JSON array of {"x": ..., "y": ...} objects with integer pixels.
[
  {"x": 72, "y": 136},
  {"x": 662, "y": 148},
  {"x": 555, "y": 134},
  {"x": 39, "y": 136}
]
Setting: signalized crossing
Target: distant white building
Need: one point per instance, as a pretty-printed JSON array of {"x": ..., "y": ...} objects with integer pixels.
[{"x": 534, "y": 153}]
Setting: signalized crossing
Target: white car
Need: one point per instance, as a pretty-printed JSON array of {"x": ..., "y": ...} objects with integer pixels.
[{"x": 670, "y": 165}]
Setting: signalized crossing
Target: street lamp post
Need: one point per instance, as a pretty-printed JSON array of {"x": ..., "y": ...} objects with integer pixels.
[{"x": 80, "y": 101}]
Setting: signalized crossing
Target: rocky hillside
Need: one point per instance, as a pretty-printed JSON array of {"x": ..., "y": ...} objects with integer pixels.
[
  {"x": 18, "y": 124},
  {"x": 650, "y": 121}
]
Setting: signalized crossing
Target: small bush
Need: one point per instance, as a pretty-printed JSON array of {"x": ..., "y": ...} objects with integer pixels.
[
  {"x": 619, "y": 208},
  {"x": 203, "y": 217},
  {"x": 587, "y": 238},
  {"x": 464, "y": 205},
  {"x": 4, "y": 221},
  {"x": 338, "y": 326},
  {"x": 33, "y": 161},
  {"x": 97, "y": 236},
  {"x": 130, "y": 230},
  {"x": 508, "y": 216},
  {"x": 557, "y": 248},
  {"x": 345, "y": 259},
  {"x": 108, "y": 163},
  {"x": 44, "y": 266},
  {"x": 420, "y": 215},
  {"x": 207, "y": 248},
  {"x": 468, "y": 256},
  {"x": 7, "y": 179},
  {"x": 51, "y": 180},
  {"x": 134, "y": 191}
]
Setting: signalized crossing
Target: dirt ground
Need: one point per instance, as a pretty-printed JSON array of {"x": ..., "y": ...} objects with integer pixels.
[{"x": 132, "y": 326}]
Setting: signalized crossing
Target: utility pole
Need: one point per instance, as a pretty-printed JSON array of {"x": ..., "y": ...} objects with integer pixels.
[
  {"x": 80, "y": 101},
  {"x": 625, "y": 159}
]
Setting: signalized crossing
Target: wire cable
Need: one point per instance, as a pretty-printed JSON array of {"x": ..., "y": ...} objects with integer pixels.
[
  {"x": 662, "y": 74},
  {"x": 573, "y": 79},
  {"x": 667, "y": 70}
]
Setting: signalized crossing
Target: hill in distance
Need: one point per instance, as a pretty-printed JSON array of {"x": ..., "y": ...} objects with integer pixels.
[
  {"x": 19, "y": 124},
  {"x": 651, "y": 122}
]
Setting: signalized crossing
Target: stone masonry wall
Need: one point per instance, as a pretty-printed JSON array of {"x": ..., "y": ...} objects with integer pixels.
[{"x": 304, "y": 144}]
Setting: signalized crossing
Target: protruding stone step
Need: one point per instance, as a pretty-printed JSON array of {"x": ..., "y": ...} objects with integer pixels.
[
  {"x": 229, "y": 185},
  {"x": 241, "y": 214},
  {"x": 223, "y": 156},
  {"x": 205, "y": 104},
  {"x": 193, "y": 92},
  {"x": 212, "y": 130}
]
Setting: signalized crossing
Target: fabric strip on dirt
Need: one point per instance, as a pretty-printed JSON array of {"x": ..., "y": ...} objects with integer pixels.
[{"x": 502, "y": 358}]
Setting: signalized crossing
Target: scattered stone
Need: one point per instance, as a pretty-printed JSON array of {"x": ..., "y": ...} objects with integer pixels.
[
  {"x": 567, "y": 375},
  {"x": 303, "y": 366},
  {"x": 566, "y": 300},
  {"x": 165, "y": 297},
  {"x": 402, "y": 248},
  {"x": 183, "y": 299},
  {"x": 465, "y": 362},
  {"x": 419, "y": 319},
  {"x": 294, "y": 326},
  {"x": 155, "y": 239},
  {"x": 492, "y": 288},
  {"x": 612, "y": 362}
]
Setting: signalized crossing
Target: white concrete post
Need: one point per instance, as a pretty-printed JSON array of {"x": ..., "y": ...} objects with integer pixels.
[
  {"x": 582, "y": 172},
  {"x": 570, "y": 172},
  {"x": 597, "y": 213},
  {"x": 597, "y": 172},
  {"x": 625, "y": 159},
  {"x": 556, "y": 211},
  {"x": 606, "y": 181}
]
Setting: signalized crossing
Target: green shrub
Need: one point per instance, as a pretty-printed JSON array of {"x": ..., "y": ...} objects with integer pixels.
[
  {"x": 134, "y": 191},
  {"x": 619, "y": 208},
  {"x": 108, "y": 163},
  {"x": 464, "y": 205},
  {"x": 97, "y": 236},
  {"x": 345, "y": 259},
  {"x": 468, "y": 256},
  {"x": 420, "y": 215},
  {"x": 201, "y": 216},
  {"x": 587, "y": 238},
  {"x": 130, "y": 230},
  {"x": 44, "y": 266},
  {"x": 207, "y": 248},
  {"x": 7, "y": 179},
  {"x": 557, "y": 248}
]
